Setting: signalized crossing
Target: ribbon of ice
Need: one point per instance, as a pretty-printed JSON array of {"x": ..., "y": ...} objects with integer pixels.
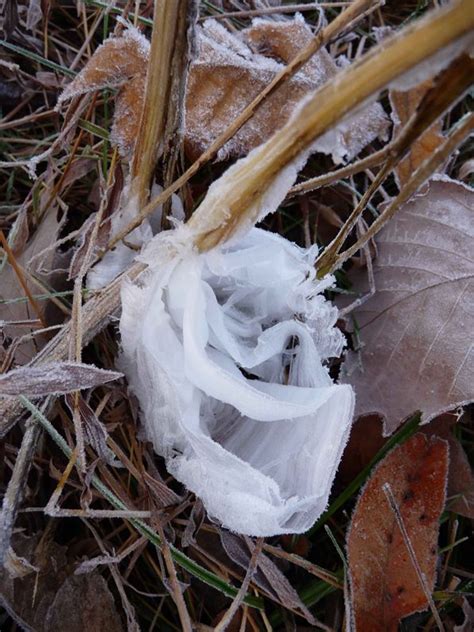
[{"x": 225, "y": 352}]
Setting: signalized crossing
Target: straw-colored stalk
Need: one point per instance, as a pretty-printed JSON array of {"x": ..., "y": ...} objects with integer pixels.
[
  {"x": 219, "y": 216},
  {"x": 169, "y": 27}
]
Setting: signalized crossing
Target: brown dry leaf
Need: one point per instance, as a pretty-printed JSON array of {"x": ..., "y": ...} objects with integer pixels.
[
  {"x": 225, "y": 77},
  {"x": 404, "y": 104},
  {"x": 461, "y": 476},
  {"x": 58, "y": 378},
  {"x": 83, "y": 602},
  {"x": 231, "y": 70},
  {"x": 367, "y": 439},
  {"x": 415, "y": 353},
  {"x": 37, "y": 260},
  {"x": 50, "y": 599},
  {"x": 384, "y": 583},
  {"x": 118, "y": 62}
]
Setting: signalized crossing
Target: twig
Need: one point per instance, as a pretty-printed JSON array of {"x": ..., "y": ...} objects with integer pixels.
[
  {"x": 234, "y": 606},
  {"x": 344, "y": 172},
  {"x": 311, "y": 6},
  {"x": 406, "y": 538},
  {"x": 16, "y": 486},
  {"x": 176, "y": 592},
  {"x": 459, "y": 133}
]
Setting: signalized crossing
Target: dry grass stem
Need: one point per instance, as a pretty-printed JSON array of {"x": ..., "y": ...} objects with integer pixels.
[
  {"x": 169, "y": 26},
  {"x": 235, "y": 605},
  {"x": 355, "y": 10},
  {"x": 460, "y": 132}
]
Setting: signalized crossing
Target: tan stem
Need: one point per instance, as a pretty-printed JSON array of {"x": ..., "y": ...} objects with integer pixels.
[
  {"x": 243, "y": 187},
  {"x": 421, "y": 175},
  {"x": 167, "y": 21}
]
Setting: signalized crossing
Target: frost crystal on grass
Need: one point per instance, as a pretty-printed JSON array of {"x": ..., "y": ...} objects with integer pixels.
[{"x": 225, "y": 353}]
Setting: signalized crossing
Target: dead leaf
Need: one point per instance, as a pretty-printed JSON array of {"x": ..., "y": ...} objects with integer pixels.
[
  {"x": 367, "y": 439},
  {"x": 267, "y": 575},
  {"x": 414, "y": 350},
  {"x": 404, "y": 104},
  {"x": 10, "y": 288},
  {"x": 461, "y": 476},
  {"x": 58, "y": 378},
  {"x": 95, "y": 433},
  {"x": 83, "y": 602},
  {"x": 226, "y": 76},
  {"x": 51, "y": 599},
  {"x": 384, "y": 583}
]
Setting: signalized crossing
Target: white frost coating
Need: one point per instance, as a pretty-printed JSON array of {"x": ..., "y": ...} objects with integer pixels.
[
  {"x": 119, "y": 259},
  {"x": 225, "y": 353}
]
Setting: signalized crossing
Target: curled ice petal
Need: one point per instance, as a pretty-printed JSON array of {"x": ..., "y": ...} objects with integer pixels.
[{"x": 225, "y": 352}]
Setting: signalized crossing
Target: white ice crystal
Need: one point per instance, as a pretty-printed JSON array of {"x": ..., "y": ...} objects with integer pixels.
[
  {"x": 225, "y": 352},
  {"x": 119, "y": 258}
]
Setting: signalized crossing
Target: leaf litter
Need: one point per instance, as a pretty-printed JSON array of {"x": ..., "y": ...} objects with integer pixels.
[{"x": 235, "y": 60}]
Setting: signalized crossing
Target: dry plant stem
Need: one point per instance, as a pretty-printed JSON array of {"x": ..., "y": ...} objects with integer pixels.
[
  {"x": 406, "y": 538},
  {"x": 327, "y": 577},
  {"x": 169, "y": 15},
  {"x": 279, "y": 9},
  {"x": 334, "y": 247},
  {"x": 460, "y": 132},
  {"x": 449, "y": 85},
  {"x": 344, "y": 172},
  {"x": 176, "y": 592},
  {"x": 16, "y": 486},
  {"x": 328, "y": 105},
  {"x": 326, "y": 35},
  {"x": 251, "y": 568},
  {"x": 75, "y": 349}
]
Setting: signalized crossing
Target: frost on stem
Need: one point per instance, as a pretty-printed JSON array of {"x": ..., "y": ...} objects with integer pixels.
[{"x": 225, "y": 352}]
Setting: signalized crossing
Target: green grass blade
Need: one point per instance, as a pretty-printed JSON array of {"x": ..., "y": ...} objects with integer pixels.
[{"x": 40, "y": 60}]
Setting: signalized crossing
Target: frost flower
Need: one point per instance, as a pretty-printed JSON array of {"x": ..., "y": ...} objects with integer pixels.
[{"x": 225, "y": 353}]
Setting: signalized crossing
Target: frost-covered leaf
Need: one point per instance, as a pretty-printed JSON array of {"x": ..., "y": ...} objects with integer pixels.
[
  {"x": 229, "y": 71},
  {"x": 367, "y": 439},
  {"x": 384, "y": 583},
  {"x": 461, "y": 476},
  {"x": 120, "y": 62},
  {"x": 94, "y": 430},
  {"x": 83, "y": 602},
  {"x": 50, "y": 599},
  {"x": 267, "y": 575},
  {"x": 35, "y": 258},
  {"x": 404, "y": 104},
  {"x": 58, "y": 378},
  {"x": 414, "y": 332}
]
